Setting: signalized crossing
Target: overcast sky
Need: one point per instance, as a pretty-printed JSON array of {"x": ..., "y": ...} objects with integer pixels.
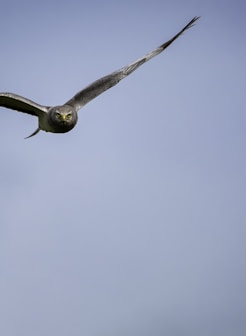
[{"x": 134, "y": 222}]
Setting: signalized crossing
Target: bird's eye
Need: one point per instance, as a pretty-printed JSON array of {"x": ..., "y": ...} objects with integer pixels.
[
  {"x": 69, "y": 116},
  {"x": 58, "y": 115}
]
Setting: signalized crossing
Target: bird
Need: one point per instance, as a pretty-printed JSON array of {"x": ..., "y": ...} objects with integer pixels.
[{"x": 63, "y": 118}]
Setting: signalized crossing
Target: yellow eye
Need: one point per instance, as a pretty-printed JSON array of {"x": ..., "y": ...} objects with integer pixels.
[
  {"x": 58, "y": 115},
  {"x": 69, "y": 116}
]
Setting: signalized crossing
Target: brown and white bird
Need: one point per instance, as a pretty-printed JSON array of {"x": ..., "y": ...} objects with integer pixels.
[{"x": 63, "y": 118}]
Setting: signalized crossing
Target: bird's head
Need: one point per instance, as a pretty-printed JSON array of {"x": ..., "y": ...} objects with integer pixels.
[{"x": 62, "y": 118}]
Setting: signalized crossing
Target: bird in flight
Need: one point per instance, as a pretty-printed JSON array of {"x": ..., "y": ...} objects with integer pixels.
[{"x": 63, "y": 118}]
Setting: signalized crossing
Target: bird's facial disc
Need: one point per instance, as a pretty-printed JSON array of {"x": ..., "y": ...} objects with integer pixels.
[{"x": 62, "y": 118}]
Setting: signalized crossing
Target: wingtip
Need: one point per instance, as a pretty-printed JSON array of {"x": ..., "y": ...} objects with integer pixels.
[
  {"x": 195, "y": 18},
  {"x": 34, "y": 133},
  {"x": 191, "y": 23}
]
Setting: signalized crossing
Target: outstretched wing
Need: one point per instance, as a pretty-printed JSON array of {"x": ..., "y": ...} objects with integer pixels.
[
  {"x": 19, "y": 103},
  {"x": 105, "y": 83}
]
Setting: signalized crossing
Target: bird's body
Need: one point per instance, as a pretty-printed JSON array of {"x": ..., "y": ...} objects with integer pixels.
[
  {"x": 63, "y": 118},
  {"x": 60, "y": 119}
]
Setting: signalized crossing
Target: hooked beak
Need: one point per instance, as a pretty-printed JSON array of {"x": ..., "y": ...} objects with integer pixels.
[{"x": 63, "y": 116}]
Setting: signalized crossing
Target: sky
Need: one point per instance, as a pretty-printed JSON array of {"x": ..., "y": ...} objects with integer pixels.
[{"x": 134, "y": 222}]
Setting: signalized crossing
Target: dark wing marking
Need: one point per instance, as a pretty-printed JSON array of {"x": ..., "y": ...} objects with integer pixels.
[
  {"x": 19, "y": 103},
  {"x": 34, "y": 133},
  {"x": 105, "y": 83}
]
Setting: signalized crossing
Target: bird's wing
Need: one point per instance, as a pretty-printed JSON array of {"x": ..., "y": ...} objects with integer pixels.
[
  {"x": 19, "y": 103},
  {"x": 105, "y": 83}
]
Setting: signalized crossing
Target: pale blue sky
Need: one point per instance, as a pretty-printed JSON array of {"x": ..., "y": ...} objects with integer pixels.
[{"x": 134, "y": 222}]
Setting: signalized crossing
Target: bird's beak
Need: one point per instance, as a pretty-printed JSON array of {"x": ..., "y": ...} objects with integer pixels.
[{"x": 63, "y": 117}]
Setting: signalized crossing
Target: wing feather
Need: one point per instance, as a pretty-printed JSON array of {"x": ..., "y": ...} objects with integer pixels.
[
  {"x": 105, "y": 83},
  {"x": 21, "y": 104}
]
